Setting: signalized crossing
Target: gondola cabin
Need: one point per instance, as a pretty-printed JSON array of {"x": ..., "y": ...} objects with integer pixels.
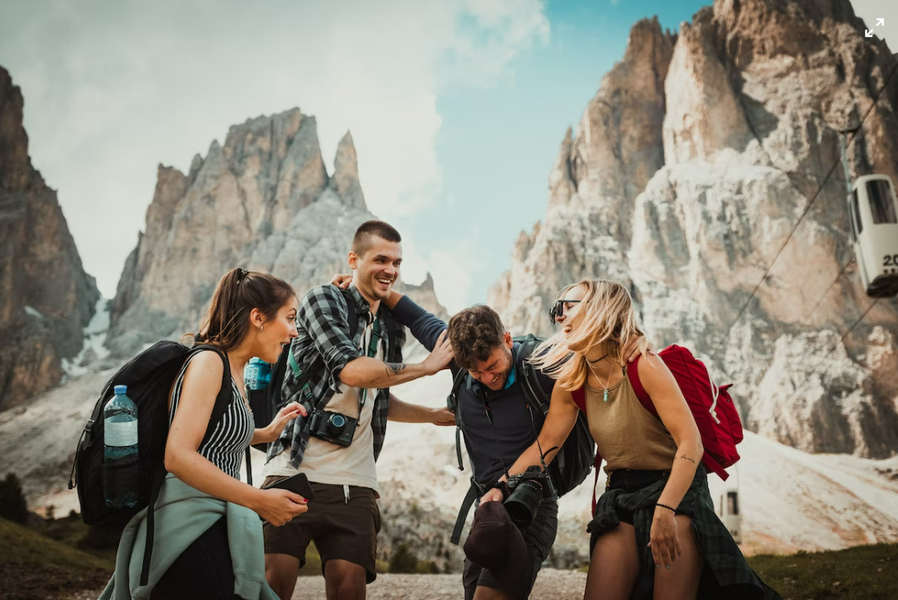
[{"x": 874, "y": 222}]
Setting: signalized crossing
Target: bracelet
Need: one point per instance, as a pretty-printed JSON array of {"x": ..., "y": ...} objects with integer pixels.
[{"x": 666, "y": 506}]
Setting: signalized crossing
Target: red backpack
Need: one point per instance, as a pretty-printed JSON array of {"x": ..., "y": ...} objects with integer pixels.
[{"x": 712, "y": 407}]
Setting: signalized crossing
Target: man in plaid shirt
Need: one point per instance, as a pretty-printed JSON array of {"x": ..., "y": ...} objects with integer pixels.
[{"x": 351, "y": 376}]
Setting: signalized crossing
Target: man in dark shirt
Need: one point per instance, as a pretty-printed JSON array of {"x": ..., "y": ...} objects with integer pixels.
[{"x": 494, "y": 383}]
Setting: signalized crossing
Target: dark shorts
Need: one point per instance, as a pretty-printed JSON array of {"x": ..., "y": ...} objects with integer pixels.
[
  {"x": 631, "y": 481},
  {"x": 540, "y": 536},
  {"x": 341, "y": 529}
]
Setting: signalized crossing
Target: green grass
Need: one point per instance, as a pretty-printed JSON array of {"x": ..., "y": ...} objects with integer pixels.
[
  {"x": 35, "y": 566},
  {"x": 860, "y": 573}
]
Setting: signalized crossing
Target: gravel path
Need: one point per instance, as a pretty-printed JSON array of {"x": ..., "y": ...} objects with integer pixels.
[{"x": 551, "y": 584}]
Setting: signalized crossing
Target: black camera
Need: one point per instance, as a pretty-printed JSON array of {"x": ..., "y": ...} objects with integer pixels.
[
  {"x": 526, "y": 491},
  {"x": 332, "y": 427}
]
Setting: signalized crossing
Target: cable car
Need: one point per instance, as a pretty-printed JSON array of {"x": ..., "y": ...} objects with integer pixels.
[
  {"x": 873, "y": 208},
  {"x": 727, "y": 506}
]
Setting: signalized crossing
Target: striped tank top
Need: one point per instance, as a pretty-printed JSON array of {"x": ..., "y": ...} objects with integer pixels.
[{"x": 232, "y": 433}]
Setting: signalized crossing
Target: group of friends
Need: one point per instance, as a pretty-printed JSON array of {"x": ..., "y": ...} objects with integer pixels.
[{"x": 654, "y": 533}]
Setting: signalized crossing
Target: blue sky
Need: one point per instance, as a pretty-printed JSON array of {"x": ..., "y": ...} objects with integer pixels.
[
  {"x": 457, "y": 107},
  {"x": 498, "y": 142}
]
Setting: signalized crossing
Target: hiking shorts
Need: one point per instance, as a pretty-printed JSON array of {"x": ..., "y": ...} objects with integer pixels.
[
  {"x": 539, "y": 535},
  {"x": 343, "y": 529}
]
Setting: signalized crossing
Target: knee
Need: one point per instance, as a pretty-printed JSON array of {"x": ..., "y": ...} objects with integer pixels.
[{"x": 349, "y": 586}]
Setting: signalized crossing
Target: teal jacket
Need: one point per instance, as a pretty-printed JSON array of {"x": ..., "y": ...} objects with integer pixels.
[{"x": 182, "y": 515}]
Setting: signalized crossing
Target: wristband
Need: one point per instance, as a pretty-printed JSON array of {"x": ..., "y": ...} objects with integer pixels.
[{"x": 666, "y": 506}]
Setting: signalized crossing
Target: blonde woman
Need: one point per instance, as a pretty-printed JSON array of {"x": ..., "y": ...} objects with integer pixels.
[{"x": 654, "y": 529}]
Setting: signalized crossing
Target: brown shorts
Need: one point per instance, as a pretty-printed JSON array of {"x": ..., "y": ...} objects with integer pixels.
[{"x": 341, "y": 529}]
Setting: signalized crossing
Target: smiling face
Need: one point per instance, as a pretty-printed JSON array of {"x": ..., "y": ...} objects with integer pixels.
[
  {"x": 494, "y": 371},
  {"x": 275, "y": 333},
  {"x": 377, "y": 268}
]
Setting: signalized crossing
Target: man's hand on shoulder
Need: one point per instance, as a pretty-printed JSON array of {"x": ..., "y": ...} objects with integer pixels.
[
  {"x": 441, "y": 356},
  {"x": 342, "y": 281}
]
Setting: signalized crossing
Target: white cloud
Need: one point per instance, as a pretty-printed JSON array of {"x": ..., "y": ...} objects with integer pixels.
[{"x": 112, "y": 89}]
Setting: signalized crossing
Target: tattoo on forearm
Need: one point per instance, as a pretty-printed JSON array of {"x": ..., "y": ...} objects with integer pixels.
[
  {"x": 395, "y": 369},
  {"x": 687, "y": 458}
]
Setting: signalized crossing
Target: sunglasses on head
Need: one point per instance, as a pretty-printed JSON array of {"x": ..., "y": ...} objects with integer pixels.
[{"x": 558, "y": 309}]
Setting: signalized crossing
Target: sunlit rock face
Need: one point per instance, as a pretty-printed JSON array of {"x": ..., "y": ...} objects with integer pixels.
[
  {"x": 263, "y": 201},
  {"x": 691, "y": 190},
  {"x": 46, "y": 298}
]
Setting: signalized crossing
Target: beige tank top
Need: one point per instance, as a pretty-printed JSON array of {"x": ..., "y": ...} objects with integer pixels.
[{"x": 626, "y": 434}]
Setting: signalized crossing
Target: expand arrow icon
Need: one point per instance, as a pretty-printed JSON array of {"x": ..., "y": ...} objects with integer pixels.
[
  {"x": 880, "y": 22},
  {"x": 868, "y": 33}
]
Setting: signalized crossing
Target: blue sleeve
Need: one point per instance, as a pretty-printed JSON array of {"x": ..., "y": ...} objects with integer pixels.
[{"x": 424, "y": 326}]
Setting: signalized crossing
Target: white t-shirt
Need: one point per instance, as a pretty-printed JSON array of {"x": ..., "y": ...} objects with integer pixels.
[{"x": 324, "y": 462}]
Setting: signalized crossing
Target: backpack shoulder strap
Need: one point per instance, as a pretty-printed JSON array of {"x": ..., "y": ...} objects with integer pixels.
[
  {"x": 633, "y": 376},
  {"x": 533, "y": 389},
  {"x": 353, "y": 312},
  {"x": 452, "y": 404},
  {"x": 224, "y": 392}
]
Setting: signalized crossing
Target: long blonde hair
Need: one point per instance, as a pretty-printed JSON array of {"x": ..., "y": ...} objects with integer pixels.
[{"x": 608, "y": 319}]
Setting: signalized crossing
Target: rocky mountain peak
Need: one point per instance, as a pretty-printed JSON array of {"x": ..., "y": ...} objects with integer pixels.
[
  {"x": 46, "y": 298},
  {"x": 686, "y": 180},
  {"x": 16, "y": 172},
  {"x": 259, "y": 201},
  {"x": 346, "y": 174}
]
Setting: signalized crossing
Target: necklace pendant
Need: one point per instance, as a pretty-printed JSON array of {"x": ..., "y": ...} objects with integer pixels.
[{"x": 605, "y": 399}]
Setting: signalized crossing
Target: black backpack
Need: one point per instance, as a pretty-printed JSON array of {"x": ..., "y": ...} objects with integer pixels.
[
  {"x": 267, "y": 402},
  {"x": 573, "y": 462},
  {"x": 149, "y": 377}
]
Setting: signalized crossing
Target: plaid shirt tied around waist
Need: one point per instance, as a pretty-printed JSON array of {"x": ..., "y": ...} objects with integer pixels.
[
  {"x": 732, "y": 576},
  {"x": 322, "y": 323}
]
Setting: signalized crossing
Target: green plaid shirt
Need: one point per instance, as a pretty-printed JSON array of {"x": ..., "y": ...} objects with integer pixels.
[{"x": 722, "y": 555}]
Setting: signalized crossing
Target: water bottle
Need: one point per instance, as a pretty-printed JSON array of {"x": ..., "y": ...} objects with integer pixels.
[
  {"x": 257, "y": 374},
  {"x": 120, "y": 481}
]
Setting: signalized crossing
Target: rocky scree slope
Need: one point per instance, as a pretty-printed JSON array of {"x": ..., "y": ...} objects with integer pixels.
[
  {"x": 688, "y": 173},
  {"x": 46, "y": 298}
]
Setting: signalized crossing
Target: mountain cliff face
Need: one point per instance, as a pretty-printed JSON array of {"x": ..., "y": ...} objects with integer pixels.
[
  {"x": 735, "y": 159},
  {"x": 263, "y": 201},
  {"x": 46, "y": 298}
]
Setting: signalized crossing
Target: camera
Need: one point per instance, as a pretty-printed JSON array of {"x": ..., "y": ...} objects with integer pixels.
[
  {"x": 332, "y": 427},
  {"x": 527, "y": 491}
]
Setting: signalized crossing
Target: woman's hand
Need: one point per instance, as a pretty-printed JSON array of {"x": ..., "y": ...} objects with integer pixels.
[
  {"x": 274, "y": 429},
  {"x": 342, "y": 281},
  {"x": 665, "y": 543},
  {"x": 278, "y": 506}
]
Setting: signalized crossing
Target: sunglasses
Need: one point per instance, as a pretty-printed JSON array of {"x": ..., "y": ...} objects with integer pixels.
[{"x": 558, "y": 309}]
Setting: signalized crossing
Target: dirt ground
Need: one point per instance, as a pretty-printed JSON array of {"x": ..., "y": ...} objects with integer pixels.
[{"x": 551, "y": 584}]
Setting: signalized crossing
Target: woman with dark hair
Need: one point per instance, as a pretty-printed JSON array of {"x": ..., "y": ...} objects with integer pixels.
[
  {"x": 654, "y": 530},
  {"x": 207, "y": 535}
]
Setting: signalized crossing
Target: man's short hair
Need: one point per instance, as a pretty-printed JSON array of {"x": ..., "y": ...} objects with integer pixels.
[
  {"x": 475, "y": 333},
  {"x": 362, "y": 240}
]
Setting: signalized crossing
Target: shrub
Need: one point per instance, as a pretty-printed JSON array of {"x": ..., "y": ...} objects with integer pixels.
[
  {"x": 403, "y": 560},
  {"x": 12, "y": 501}
]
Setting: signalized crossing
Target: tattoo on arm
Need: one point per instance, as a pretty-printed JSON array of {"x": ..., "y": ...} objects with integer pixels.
[
  {"x": 687, "y": 458},
  {"x": 395, "y": 369}
]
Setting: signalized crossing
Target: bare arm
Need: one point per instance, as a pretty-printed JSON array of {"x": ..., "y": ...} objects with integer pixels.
[
  {"x": 405, "y": 412},
  {"x": 370, "y": 373},
  {"x": 661, "y": 386},
  {"x": 202, "y": 382},
  {"x": 560, "y": 420}
]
